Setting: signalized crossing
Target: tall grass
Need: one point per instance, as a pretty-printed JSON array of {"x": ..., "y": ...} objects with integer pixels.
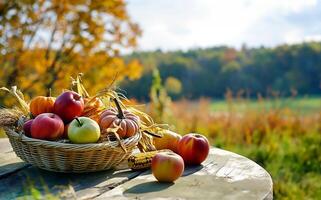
[{"x": 281, "y": 139}]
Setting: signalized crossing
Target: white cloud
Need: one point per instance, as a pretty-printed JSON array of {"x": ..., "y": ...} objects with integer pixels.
[
  {"x": 312, "y": 38},
  {"x": 182, "y": 24},
  {"x": 293, "y": 36}
]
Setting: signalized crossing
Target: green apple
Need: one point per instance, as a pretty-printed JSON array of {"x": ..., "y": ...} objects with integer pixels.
[{"x": 83, "y": 130}]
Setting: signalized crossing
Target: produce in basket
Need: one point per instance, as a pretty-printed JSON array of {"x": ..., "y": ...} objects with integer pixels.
[
  {"x": 58, "y": 156},
  {"x": 41, "y": 104},
  {"x": 65, "y": 134},
  {"x": 27, "y": 127},
  {"x": 83, "y": 130},
  {"x": 69, "y": 105},
  {"x": 126, "y": 122},
  {"x": 47, "y": 126}
]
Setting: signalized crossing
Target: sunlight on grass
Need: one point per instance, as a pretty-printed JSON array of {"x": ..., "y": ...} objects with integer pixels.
[{"x": 303, "y": 105}]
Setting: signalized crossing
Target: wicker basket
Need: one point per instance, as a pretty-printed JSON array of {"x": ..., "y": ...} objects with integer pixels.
[{"x": 75, "y": 158}]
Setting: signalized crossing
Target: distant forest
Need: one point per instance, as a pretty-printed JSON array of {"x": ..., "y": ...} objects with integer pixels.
[{"x": 284, "y": 70}]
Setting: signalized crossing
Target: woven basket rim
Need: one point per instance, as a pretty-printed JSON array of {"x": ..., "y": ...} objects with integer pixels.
[{"x": 73, "y": 147}]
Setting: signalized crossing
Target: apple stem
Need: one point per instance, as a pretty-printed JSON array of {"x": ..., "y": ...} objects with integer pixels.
[
  {"x": 120, "y": 111},
  {"x": 79, "y": 122}
]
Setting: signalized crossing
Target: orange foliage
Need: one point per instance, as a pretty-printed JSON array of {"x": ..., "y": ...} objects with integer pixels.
[{"x": 43, "y": 43}]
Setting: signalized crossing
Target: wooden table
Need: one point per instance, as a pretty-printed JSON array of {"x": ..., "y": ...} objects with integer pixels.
[{"x": 224, "y": 175}]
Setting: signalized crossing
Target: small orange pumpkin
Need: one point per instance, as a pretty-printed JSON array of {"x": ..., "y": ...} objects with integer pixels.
[
  {"x": 127, "y": 122},
  {"x": 41, "y": 104}
]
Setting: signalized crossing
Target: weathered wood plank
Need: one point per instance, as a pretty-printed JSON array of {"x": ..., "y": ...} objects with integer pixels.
[
  {"x": 17, "y": 177},
  {"x": 9, "y": 162},
  {"x": 11, "y": 166},
  {"x": 5, "y": 145},
  {"x": 224, "y": 175},
  {"x": 82, "y": 186}
]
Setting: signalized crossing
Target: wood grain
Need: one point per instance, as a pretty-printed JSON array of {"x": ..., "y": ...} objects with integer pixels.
[
  {"x": 9, "y": 162},
  {"x": 224, "y": 175}
]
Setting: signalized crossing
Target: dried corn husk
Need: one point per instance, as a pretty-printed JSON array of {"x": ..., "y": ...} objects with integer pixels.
[
  {"x": 94, "y": 105},
  {"x": 10, "y": 117},
  {"x": 24, "y": 107}
]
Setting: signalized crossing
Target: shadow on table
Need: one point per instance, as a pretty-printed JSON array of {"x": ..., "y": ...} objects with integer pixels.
[
  {"x": 152, "y": 186},
  {"x": 7, "y": 170},
  {"x": 192, "y": 169},
  {"x": 81, "y": 181},
  {"x": 155, "y": 186},
  {"x": 19, "y": 182}
]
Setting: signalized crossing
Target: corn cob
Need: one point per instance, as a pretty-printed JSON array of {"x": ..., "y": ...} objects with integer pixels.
[{"x": 143, "y": 160}]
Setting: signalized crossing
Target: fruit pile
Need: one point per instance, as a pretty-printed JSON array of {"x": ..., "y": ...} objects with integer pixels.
[
  {"x": 191, "y": 149},
  {"x": 65, "y": 117},
  {"x": 173, "y": 153}
]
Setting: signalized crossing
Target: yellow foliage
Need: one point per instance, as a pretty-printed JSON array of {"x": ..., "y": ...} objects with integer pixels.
[
  {"x": 173, "y": 85},
  {"x": 47, "y": 42}
]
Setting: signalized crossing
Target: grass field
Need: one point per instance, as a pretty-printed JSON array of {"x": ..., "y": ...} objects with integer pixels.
[{"x": 302, "y": 105}]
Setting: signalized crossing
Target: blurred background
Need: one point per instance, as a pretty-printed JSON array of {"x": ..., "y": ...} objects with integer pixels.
[{"x": 247, "y": 74}]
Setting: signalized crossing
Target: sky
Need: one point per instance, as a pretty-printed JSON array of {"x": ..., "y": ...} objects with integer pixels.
[{"x": 185, "y": 24}]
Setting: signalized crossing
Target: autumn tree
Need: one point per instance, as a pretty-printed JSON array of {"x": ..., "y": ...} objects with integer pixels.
[{"x": 44, "y": 42}]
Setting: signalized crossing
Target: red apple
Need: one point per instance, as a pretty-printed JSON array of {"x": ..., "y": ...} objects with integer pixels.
[
  {"x": 47, "y": 126},
  {"x": 167, "y": 166},
  {"x": 193, "y": 148},
  {"x": 68, "y": 106},
  {"x": 27, "y": 127}
]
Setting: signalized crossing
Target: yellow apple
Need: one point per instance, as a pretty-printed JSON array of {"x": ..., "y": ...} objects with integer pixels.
[
  {"x": 169, "y": 140},
  {"x": 167, "y": 166}
]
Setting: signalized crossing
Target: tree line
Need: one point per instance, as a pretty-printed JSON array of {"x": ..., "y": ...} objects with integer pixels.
[{"x": 210, "y": 72}]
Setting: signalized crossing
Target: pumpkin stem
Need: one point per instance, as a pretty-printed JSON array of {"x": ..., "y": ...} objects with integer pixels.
[
  {"x": 120, "y": 111},
  {"x": 79, "y": 122},
  {"x": 49, "y": 92}
]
